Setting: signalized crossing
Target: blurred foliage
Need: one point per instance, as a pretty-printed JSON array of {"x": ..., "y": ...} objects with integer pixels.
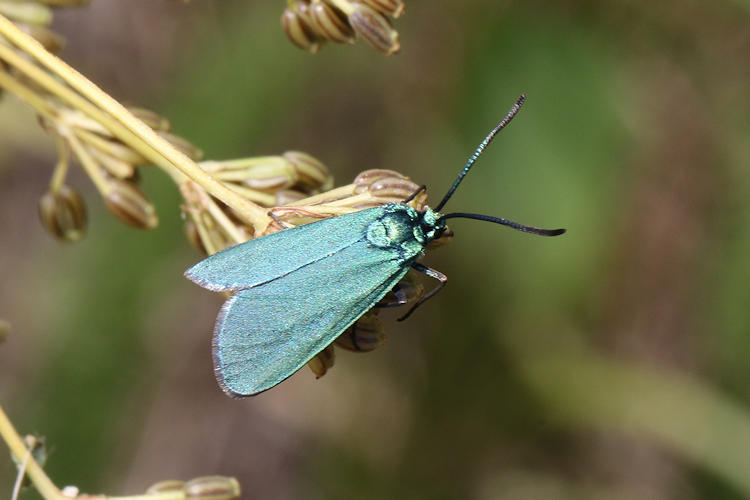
[{"x": 608, "y": 363}]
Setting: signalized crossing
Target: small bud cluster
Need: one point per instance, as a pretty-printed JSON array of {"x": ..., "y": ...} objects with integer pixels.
[
  {"x": 309, "y": 23},
  {"x": 111, "y": 165}
]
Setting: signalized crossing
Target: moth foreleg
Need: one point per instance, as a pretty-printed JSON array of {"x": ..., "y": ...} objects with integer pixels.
[{"x": 432, "y": 273}]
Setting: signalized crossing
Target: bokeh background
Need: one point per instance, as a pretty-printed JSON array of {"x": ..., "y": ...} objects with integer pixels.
[{"x": 612, "y": 362}]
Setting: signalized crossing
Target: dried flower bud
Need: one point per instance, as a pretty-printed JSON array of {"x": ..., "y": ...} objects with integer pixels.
[
  {"x": 166, "y": 487},
  {"x": 303, "y": 10},
  {"x": 213, "y": 488},
  {"x": 322, "y": 361},
  {"x": 298, "y": 31},
  {"x": 266, "y": 173},
  {"x": 183, "y": 145},
  {"x": 312, "y": 174},
  {"x": 393, "y": 8},
  {"x": 331, "y": 23},
  {"x": 152, "y": 119},
  {"x": 375, "y": 29},
  {"x": 406, "y": 290},
  {"x": 63, "y": 214},
  {"x": 130, "y": 205},
  {"x": 365, "y": 335}
]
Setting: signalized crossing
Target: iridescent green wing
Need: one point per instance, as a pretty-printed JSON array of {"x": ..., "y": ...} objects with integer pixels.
[
  {"x": 263, "y": 259},
  {"x": 266, "y": 333}
]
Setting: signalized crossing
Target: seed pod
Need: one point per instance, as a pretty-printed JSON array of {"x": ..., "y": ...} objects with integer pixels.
[
  {"x": 374, "y": 28},
  {"x": 63, "y": 214},
  {"x": 130, "y": 205},
  {"x": 331, "y": 23},
  {"x": 302, "y": 9},
  {"x": 322, "y": 361},
  {"x": 213, "y": 488},
  {"x": 312, "y": 174},
  {"x": 364, "y": 179},
  {"x": 365, "y": 335},
  {"x": 393, "y": 8},
  {"x": 298, "y": 32},
  {"x": 166, "y": 487}
]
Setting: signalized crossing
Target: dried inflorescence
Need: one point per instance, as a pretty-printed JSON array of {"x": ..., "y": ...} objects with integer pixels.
[
  {"x": 309, "y": 23},
  {"x": 294, "y": 187}
]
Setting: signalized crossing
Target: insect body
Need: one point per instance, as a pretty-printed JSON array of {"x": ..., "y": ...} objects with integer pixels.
[{"x": 296, "y": 290}]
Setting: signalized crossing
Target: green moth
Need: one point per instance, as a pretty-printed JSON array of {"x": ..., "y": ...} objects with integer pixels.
[{"x": 296, "y": 290}]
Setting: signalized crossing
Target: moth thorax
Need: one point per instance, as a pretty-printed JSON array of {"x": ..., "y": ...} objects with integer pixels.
[{"x": 392, "y": 230}]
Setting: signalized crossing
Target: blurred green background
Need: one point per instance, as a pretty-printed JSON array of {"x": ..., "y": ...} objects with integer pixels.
[{"x": 612, "y": 362}]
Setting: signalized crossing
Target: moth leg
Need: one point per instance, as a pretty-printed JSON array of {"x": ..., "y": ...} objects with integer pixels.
[
  {"x": 432, "y": 273},
  {"x": 276, "y": 219}
]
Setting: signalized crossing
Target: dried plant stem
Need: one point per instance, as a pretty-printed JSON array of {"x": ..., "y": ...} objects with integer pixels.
[
  {"x": 44, "y": 484},
  {"x": 92, "y": 101},
  {"x": 17, "y": 447}
]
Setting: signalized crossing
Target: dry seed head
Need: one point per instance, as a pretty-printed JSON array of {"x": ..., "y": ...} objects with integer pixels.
[
  {"x": 375, "y": 29},
  {"x": 322, "y": 361},
  {"x": 303, "y": 11},
  {"x": 365, "y": 335},
  {"x": 394, "y": 8},
  {"x": 313, "y": 175},
  {"x": 130, "y": 205},
  {"x": 63, "y": 214},
  {"x": 299, "y": 32},
  {"x": 331, "y": 23},
  {"x": 212, "y": 488},
  {"x": 387, "y": 186}
]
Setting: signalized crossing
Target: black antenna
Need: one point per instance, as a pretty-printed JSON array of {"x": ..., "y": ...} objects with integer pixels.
[
  {"x": 509, "y": 223},
  {"x": 503, "y": 123}
]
